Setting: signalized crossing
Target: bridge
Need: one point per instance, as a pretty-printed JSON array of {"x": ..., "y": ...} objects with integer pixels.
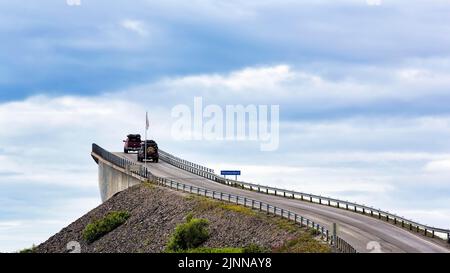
[{"x": 360, "y": 228}]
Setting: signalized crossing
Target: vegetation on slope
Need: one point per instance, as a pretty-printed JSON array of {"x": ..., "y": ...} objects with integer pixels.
[
  {"x": 155, "y": 212},
  {"x": 100, "y": 227},
  {"x": 189, "y": 235}
]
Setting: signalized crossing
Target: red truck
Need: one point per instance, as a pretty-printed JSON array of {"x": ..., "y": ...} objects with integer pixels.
[{"x": 132, "y": 143}]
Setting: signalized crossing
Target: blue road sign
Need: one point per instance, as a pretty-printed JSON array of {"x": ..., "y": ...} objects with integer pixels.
[{"x": 230, "y": 172}]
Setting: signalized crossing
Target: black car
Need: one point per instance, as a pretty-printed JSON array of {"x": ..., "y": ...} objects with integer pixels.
[{"x": 150, "y": 153}]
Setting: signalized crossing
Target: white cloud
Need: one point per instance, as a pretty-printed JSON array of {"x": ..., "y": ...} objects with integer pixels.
[
  {"x": 438, "y": 166},
  {"x": 135, "y": 26},
  {"x": 242, "y": 80},
  {"x": 308, "y": 90}
]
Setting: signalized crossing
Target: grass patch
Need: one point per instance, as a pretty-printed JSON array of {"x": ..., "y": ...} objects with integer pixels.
[
  {"x": 149, "y": 185},
  {"x": 99, "y": 228},
  {"x": 205, "y": 204},
  {"x": 254, "y": 248},
  {"x": 304, "y": 243},
  {"x": 285, "y": 224},
  {"x": 188, "y": 235}
]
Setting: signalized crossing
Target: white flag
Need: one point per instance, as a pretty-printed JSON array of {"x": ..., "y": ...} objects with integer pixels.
[{"x": 147, "y": 124}]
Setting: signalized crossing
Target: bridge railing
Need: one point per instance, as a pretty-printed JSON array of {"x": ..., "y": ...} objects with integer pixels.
[
  {"x": 339, "y": 244},
  {"x": 192, "y": 165},
  {"x": 318, "y": 199},
  {"x": 124, "y": 163}
]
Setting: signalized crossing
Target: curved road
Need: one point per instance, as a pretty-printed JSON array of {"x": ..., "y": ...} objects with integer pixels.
[{"x": 356, "y": 229}]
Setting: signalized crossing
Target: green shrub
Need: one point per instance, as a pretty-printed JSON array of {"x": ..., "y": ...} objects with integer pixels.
[
  {"x": 100, "y": 227},
  {"x": 28, "y": 250},
  {"x": 188, "y": 235},
  {"x": 314, "y": 232}
]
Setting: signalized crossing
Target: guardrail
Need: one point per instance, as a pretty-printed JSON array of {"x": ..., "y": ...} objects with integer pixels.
[
  {"x": 318, "y": 199},
  {"x": 339, "y": 244},
  {"x": 185, "y": 162}
]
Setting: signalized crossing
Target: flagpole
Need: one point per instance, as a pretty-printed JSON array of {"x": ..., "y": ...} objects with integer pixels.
[{"x": 146, "y": 128}]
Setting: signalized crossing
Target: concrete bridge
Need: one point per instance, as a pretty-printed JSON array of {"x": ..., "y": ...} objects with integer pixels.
[{"x": 364, "y": 228}]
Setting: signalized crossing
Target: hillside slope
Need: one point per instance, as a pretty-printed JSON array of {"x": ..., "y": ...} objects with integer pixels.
[{"x": 156, "y": 211}]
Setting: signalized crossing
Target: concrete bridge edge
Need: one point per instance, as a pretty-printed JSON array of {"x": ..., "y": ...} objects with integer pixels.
[{"x": 113, "y": 179}]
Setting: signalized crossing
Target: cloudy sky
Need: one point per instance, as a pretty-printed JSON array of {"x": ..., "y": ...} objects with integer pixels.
[{"x": 363, "y": 88}]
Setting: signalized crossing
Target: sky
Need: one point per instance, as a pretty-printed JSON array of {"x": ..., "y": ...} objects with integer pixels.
[{"x": 363, "y": 89}]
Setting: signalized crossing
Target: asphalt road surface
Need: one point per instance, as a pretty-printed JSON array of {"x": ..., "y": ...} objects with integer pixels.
[{"x": 358, "y": 230}]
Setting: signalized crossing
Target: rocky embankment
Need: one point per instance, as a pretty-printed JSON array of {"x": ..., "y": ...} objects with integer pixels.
[{"x": 156, "y": 211}]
